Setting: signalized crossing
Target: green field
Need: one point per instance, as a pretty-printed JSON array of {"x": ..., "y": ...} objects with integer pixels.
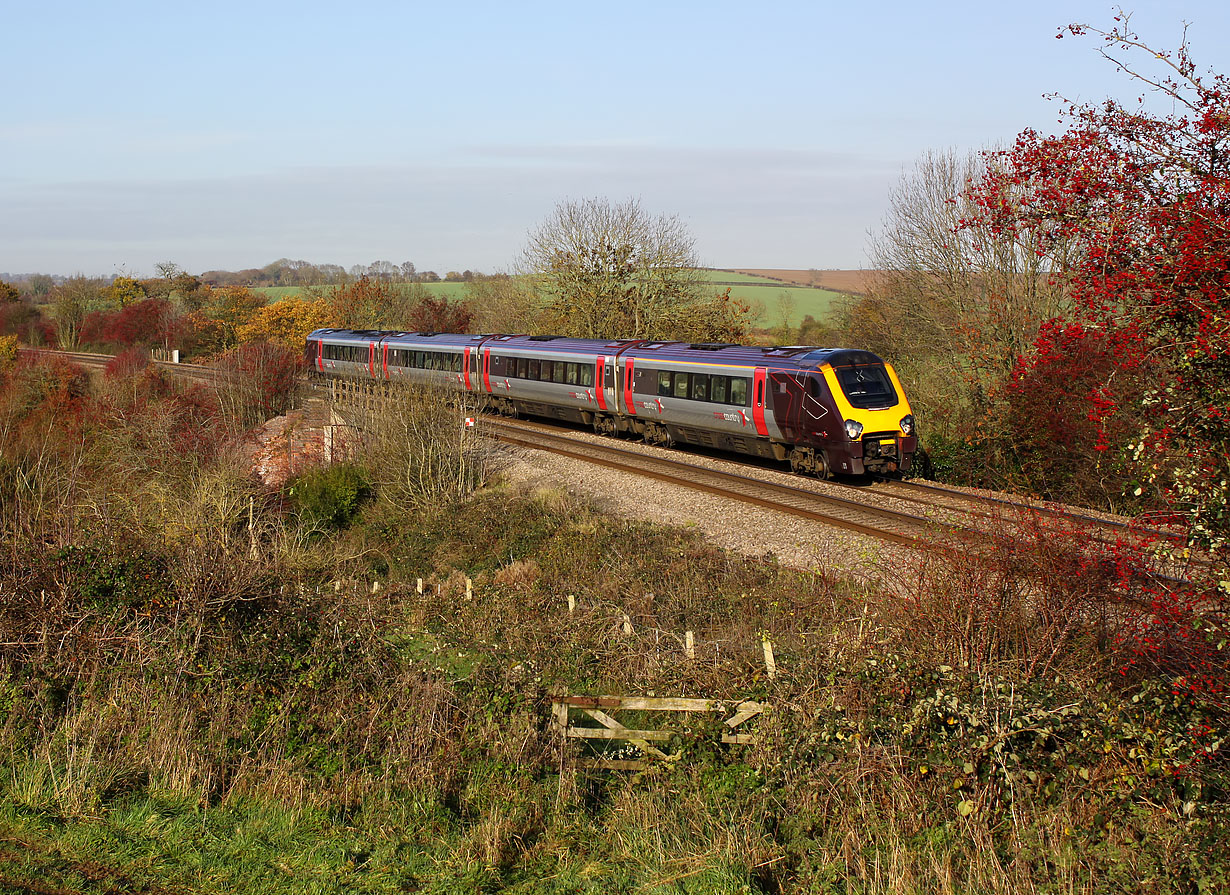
[{"x": 770, "y": 299}]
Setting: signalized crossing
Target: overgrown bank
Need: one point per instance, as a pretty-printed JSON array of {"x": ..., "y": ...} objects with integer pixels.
[{"x": 198, "y": 699}]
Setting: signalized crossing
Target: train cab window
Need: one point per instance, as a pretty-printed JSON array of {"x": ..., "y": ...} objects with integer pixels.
[
  {"x": 700, "y": 387},
  {"x": 664, "y": 382},
  {"x": 681, "y": 385},
  {"x": 717, "y": 388},
  {"x": 738, "y": 392},
  {"x": 866, "y": 386}
]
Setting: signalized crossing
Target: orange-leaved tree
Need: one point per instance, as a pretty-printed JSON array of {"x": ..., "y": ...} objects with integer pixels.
[{"x": 288, "y": 322}]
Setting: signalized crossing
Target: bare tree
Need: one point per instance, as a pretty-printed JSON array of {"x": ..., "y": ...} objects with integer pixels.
[
  {"x": 955, "y": 304},
  {"x": 504, "y": 303},
  {"x": 613, "y": 271}
]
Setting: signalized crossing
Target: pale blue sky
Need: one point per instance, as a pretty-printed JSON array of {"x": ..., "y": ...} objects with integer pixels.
[{"x": 229, "y": 134}]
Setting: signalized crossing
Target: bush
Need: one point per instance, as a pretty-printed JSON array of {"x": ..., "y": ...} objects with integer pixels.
[
  {"x": 331, "y": 497},
  {"x": 257, "y": 382}
]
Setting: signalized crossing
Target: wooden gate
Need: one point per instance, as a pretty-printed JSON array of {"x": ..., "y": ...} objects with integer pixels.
[{"x": 566, "y": 711}]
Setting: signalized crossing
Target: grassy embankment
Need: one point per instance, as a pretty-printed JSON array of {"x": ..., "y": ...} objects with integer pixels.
[{"x": 204, "y": 689}]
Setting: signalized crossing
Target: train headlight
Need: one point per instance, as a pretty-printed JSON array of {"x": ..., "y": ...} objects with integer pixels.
[
  {"x": 907, "y": 424},
  {"x": 854, "y": 429}
]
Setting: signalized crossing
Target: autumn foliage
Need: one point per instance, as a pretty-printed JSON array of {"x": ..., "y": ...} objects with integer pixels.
[
  {"x": 1144, "y": 199},
  {"x": 288, "y": 322}
]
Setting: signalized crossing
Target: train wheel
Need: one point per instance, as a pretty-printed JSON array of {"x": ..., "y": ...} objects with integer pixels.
[
  {"x": 809, "y": 461},
  {"x": 802, "y": 461}
]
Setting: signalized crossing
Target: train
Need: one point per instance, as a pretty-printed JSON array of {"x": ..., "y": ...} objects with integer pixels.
[{"x": 824, "y": 410}]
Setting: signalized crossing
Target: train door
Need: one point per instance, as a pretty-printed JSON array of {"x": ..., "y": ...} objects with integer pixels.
[
  {"x": 599, "y": 387},
  {"x": 384, "y": 359},
  {"x": 320, "y": 355},
  {"x": 466, "y": 354},
  {"x": 608, "y": 384},
  {"x": 760, "y": 388},
  {"x": 371, "y": 359},
  {"x": 487, "y": 370},
  {"x": 629, "y": 401}
]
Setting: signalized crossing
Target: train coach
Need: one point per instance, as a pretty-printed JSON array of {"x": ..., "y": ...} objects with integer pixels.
[{"x": 825, "y": 410}]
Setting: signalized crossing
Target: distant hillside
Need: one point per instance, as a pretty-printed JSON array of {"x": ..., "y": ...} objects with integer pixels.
[{"x": 854, "y": 282}]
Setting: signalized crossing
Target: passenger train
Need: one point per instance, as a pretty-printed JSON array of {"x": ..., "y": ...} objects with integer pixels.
[{"x": 826, "y": 410}]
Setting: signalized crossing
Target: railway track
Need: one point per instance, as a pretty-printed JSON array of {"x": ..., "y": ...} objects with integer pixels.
[
  {"x": 868, "y": 519},
  {"x": 99, "y": 361},
  {"x": 943, "y": 515},
  {"x": 995, "y": 508}
]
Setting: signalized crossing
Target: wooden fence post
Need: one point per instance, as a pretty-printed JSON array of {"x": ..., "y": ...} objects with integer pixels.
[{"x": 770, "y": 664}]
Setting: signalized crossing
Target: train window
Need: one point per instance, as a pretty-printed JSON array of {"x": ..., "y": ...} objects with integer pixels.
[
  {"x": 681, "y": 385},
  {"x": 700, "y": 387},
  {"x": 544, "y": 371},
  {"x": 718, "y": 388},
  {"x": 521, "y": 366},
  {"x": 664, "y": 382},
  {"x": 586, "y": 374},
  {"x": 738, "y": 391},
  {"x": 532, "y": 369},
  {"x": 560, "y": 373},
  {"x": 573, "y": 372},
  {"x": 866, "y": 386}
]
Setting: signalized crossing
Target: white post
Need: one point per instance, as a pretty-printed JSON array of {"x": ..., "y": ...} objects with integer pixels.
[{"x": 770, "y": 664}]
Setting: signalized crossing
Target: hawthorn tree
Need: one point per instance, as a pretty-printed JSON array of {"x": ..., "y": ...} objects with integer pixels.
[{"x": 1144, "y": 196}]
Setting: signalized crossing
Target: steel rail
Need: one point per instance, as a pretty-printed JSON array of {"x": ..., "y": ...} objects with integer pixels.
[{"x": 794, "y": 501}]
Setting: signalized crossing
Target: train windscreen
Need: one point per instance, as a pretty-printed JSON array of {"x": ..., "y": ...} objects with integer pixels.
[{"x": 866, "y": 386}]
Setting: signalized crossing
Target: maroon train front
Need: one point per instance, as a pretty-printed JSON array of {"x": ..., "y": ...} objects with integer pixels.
[{"x": 825, "y": 410}]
